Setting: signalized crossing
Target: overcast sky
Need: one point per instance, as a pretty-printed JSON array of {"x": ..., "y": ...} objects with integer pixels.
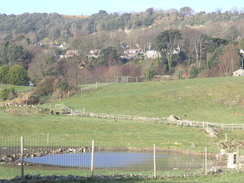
[{"x": 88, "y": 7}]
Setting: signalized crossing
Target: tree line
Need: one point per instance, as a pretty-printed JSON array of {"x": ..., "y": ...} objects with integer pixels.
[{"x": 40, "y": 25}]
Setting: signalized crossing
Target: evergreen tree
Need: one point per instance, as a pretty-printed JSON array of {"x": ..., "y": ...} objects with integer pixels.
[{"x": 17, "y": 75}]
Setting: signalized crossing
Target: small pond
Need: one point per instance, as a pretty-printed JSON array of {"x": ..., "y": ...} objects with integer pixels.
[{"x": 123, "y": 160}]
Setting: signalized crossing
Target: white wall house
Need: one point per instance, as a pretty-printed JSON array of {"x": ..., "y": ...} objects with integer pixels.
[
  {"x": 152, "y": 54},
  {"x": 239, "y": 72}
]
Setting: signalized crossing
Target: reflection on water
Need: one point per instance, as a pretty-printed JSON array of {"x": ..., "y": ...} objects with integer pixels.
[{"x": 123, "y": 160}]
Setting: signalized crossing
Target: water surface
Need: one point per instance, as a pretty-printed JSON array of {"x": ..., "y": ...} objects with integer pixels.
[{"x": 123, "y": 160}]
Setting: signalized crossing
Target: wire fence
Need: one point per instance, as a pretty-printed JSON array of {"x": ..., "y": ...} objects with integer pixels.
[
  {"x": 171, "y": 120},
  {"x": 22, "y": 156}
]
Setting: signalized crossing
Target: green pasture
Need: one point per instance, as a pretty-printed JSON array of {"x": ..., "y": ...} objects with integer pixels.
[
  {"x": 108, "y": 133},
  {"x": 208, "y": 99},
  {"x": 17, "y": 88},
  {"x": 211, "y": 99}
]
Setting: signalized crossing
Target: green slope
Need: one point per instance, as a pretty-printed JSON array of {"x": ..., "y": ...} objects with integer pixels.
[{"x": 208, "y": 99}]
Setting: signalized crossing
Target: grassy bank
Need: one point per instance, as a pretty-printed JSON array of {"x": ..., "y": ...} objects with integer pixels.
[
  {"x": 208, "y": 99},
  {"x": 119, "y": 133},
  {"x": 231, "y": 177}
]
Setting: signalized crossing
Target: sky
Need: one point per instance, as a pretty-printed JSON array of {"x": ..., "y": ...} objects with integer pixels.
[{"x": 88, "y": 7}]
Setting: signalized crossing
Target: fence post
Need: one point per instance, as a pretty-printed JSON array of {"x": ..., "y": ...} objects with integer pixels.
[
  {"x": 92, "y": 159},
  {"x": 237, "y": 159},
  {"x": 226, "y": 137},
  {"x": 22, "y": 159},
  {"x": 47, "y": 137},
  {"x": 154, "y": 162},
  {"x": 206, "y": 161}
]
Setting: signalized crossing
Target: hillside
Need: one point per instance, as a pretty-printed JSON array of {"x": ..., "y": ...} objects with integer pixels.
[{"x": 210, "y": 99}]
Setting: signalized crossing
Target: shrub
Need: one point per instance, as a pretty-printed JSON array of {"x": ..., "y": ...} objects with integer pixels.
[
  {"x": 17, "y": 75},
  {"x": 194, "y": 72},
  {"x": 8, "y": 94},
  {"x": 3, "y": 73},
  {"x": 50, "y": 84},
  {"x": 33, "y": 100}
]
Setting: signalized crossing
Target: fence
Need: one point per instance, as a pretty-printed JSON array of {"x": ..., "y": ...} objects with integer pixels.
[
  {"x": 22, "y": 156},
  {"x": 171, "y": 120}
]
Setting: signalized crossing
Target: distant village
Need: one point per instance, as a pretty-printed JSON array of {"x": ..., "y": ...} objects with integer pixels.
[{"x": 130, "y": 52}]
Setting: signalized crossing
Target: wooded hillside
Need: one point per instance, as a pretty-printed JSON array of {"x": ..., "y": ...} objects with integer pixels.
[{"x": 100, "y": 47}]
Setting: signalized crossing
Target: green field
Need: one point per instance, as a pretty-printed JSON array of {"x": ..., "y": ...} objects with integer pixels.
[
  {"x": 17, "y": 88},
  {"x": 119, "y": 133},
  {"x": 209, "y": 99},
  {"x": 212, "y": 99}
]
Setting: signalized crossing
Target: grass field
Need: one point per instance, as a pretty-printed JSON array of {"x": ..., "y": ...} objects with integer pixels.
[
  {"x": 119, "y": 133},
  {"x": 231, "y": 177},
  {"x": 212, "y": 99},
  {"x": 17, "y": 88},
  {"x": 209, "y": 99}
]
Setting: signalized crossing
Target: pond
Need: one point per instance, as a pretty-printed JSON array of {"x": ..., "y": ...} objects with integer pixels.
[{"x": 123, "y": 160}]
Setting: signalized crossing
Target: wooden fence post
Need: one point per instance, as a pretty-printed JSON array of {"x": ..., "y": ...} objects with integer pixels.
[
  {"x": 47, "y": 138},
  {"x": 22, "y": 159},
  {"x": 237, "y": 159},
  {"x": 154, "y": 162},
  {"x": 92, "y": 159},
  {"x": 206, "y": 161},
  {"x": 226, "y": 137}
]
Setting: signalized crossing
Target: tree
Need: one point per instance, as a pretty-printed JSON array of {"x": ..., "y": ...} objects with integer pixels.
[
  {"x": 3, "y": 73},
  {"x": 241, "y": 43},
  {"x": 17, "y": 75},
  {"x": 194, "y": 44},
  {"x": 167, "y": 42},
  {"x": 42, "y": 65},
  {"x": 71, "y": 72},
  {"x": 186, "y": 11},
  {"x": 229, "y": 59},
  {"x": 108, "y": 56}
]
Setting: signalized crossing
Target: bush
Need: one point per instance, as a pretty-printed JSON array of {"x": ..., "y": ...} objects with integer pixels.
[
  {"x": 17, "y": 75},
  {"x": 8, "y": 94},
  {"x": 50, "y": 84},
  {"x": 33, "y": 100},
  {"x": 194, "y": 72},
  {"x": 3, "y": 73}
]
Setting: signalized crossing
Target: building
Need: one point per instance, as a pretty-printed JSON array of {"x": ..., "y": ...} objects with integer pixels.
[
  {"x": 239, "y": 72},
  {"x": 70, "y": 53},
  {"x": 152, "y": 54},
  {"x": 94, "y": 53},
  {"x": 133, "y": 53}
]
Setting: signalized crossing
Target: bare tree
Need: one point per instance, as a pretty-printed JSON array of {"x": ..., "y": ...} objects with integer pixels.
[
  {"x": 194, "y": 42},
  {"x": 42, "y": 65},
  {"x": 229, "y": 59}
]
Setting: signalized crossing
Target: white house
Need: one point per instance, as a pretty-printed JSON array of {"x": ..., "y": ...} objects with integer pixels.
[
  {"x": 239, "y": 72},
  {"x": 70, "y": 53},
  {"x": 133, "y": 53},
  {"x": 152, "y": 54}
]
